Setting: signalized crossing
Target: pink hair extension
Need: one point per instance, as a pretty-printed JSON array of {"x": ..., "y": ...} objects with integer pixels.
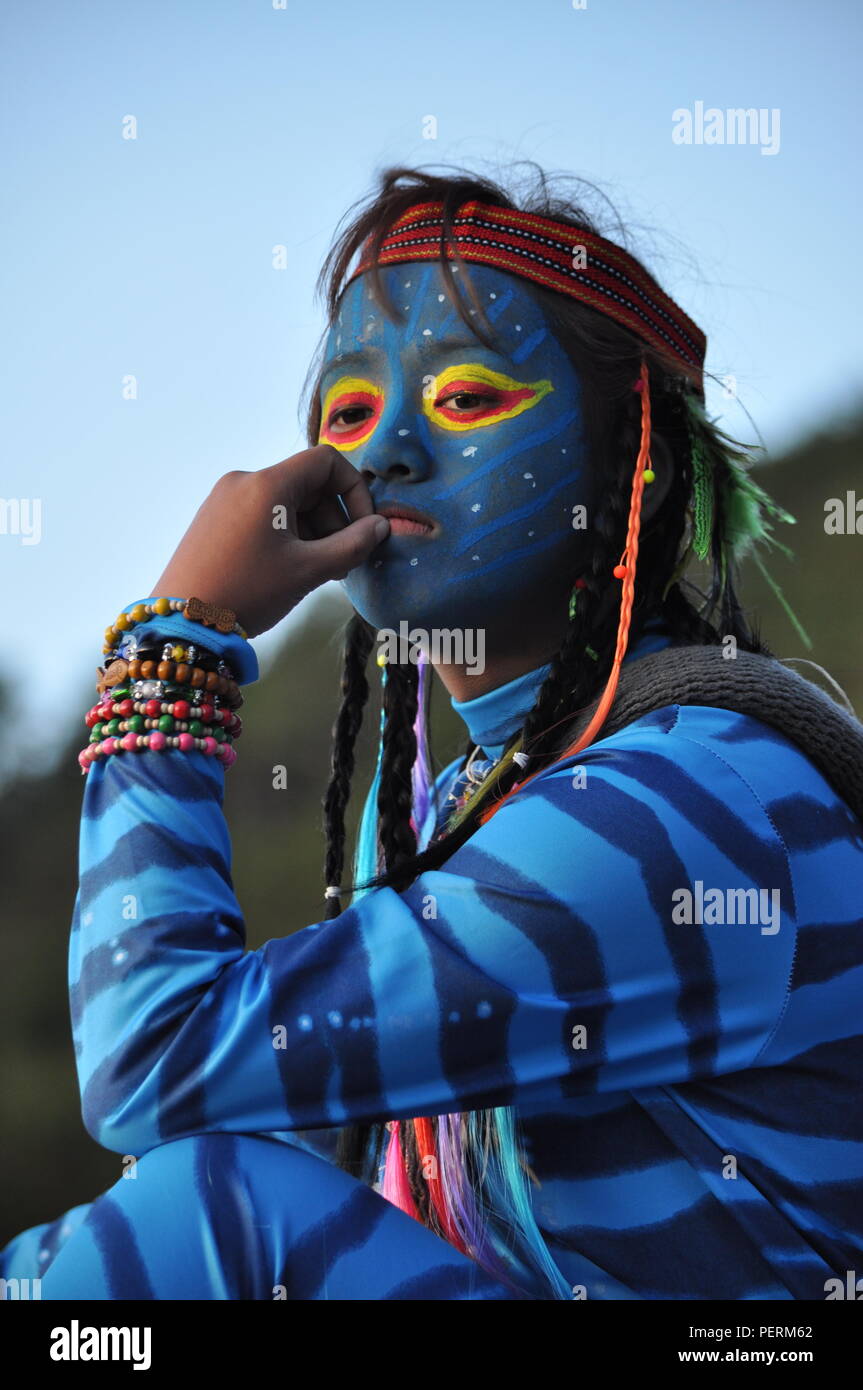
[{"x": 396, "y": 1187}]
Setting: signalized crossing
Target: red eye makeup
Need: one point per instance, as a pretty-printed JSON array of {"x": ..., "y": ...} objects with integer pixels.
[
  {"x": 496, "y": 396},
  {"x": 351, "y": 409}
]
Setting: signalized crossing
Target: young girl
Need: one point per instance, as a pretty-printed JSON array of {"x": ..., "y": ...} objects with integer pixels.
[{"x": 585, "y": 1013}]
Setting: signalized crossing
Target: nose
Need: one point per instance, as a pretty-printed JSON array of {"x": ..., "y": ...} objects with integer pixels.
[{"x": 396, "y": 454}]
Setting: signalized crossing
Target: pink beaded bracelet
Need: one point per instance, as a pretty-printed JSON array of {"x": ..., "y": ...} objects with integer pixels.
[{"x": 155, "y": 741}]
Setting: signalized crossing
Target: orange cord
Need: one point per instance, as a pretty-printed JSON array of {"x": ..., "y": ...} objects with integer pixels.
[{"x": 625, "y": 571}]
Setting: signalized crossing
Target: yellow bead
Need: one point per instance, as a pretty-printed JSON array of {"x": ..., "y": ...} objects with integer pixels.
[
  {"x": 178, "y": 653},
  {"x": 122, "y": 622},
  {"x": 381, "y": 658},
  {"x": 139, "y": 613},
  {"x": 162, "y": 606},
  {"x": 649, "y": 475}
]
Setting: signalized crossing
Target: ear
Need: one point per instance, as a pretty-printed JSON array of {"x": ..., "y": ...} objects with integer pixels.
[{"x": 655, "y": 493}]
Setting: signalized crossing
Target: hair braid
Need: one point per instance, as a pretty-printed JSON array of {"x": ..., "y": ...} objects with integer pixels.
[
  {"x": 359, "y": 638},
  {"x": 397, "y": 836}
]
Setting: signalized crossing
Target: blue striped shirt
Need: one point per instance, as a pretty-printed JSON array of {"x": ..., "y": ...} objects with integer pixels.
[{"x": 688, "y": 1090}]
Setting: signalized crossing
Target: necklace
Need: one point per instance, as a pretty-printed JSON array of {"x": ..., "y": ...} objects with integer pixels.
[
  {"x": 487, "y": 764},
  {"x": 470, "y": 776}
]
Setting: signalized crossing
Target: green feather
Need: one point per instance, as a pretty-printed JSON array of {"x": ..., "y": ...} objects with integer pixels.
[
  {"x": 702, "y": 501},
  {"x": 749, "y": 514},
  {"x": 789, "y": 611}
]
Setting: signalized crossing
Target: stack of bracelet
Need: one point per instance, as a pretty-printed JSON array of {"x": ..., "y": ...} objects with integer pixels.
[{"x": 163, "y": 695}]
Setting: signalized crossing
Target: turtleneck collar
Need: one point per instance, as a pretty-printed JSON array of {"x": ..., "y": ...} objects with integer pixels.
[{"x": 492, "y": 718}]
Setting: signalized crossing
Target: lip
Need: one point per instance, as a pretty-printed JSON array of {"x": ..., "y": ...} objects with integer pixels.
[{"x": 405, "y": 520}]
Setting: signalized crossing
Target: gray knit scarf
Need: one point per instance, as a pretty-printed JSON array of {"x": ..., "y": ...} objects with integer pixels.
[{"x": 760, "y": 686}]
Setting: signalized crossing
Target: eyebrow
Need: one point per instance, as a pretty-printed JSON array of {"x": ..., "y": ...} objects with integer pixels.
[{"x": 433, "y": 346}]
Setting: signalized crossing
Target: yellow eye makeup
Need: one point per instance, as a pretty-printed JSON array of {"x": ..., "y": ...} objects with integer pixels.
[
  {"x": 348, "y": 395},
  {"x": 501, "y": 397}
]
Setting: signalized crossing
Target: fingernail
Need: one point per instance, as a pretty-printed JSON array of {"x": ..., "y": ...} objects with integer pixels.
[{"x": 382, "y": 528}]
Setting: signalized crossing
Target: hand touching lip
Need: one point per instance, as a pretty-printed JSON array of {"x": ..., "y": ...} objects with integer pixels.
[{"x": 405, "y": 520}]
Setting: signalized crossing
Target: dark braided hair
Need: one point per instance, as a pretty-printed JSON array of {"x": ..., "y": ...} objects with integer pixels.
[
  {"x": 398, "y": 840},
  {"x": 359, "y": 640},
  {"x": 607, "y": 359}
]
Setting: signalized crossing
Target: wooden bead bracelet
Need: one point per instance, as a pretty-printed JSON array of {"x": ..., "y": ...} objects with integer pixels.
[
  {"x": 119, "y": 671},
  {"x": 194, "y": 609}
]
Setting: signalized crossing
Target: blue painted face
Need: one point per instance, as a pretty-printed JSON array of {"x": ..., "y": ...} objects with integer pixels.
[{"x": 486, "y": 446}]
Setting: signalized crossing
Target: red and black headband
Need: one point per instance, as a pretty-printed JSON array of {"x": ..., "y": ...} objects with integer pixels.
[{"x": 559, "y": 257}]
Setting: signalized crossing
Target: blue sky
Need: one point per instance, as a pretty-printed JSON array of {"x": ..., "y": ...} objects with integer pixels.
[{"x": 259, "y": 126}]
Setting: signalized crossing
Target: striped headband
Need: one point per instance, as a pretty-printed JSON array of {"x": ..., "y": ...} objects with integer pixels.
[{"x": 559, "y": 257}]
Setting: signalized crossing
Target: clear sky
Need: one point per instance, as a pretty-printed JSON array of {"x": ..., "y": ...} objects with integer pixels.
[{"x": 258, "y": 123}]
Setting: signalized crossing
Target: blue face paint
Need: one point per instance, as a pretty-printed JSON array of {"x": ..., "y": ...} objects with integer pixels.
[{"x": 487, "y": 445}]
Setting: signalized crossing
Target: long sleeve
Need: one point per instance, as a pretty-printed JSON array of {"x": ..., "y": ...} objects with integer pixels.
[{"x": 543, "y": 961}]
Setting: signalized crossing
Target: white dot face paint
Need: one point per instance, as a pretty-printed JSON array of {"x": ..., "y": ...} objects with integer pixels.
[{"x": 479, "y": 464}]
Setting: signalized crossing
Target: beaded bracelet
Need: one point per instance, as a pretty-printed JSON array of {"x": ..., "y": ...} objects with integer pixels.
[
  {"x": 166, "y": 723},
  {"x": 126, "y": 708},
  {"x": 156, "y": 741},
  {"x": 198, "y": 677},
  {"x": 137, "y": 717},
  {"x": 129, "y": 650},
  {"x": 166, "y": 649},
  {"x": 132, "y": 647},
  {"x": 156, "y": 673},
  {"x": 170, "y": 651},
  {"x": 193, "y": 609},
  {"x": 154, "y": 697}
]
